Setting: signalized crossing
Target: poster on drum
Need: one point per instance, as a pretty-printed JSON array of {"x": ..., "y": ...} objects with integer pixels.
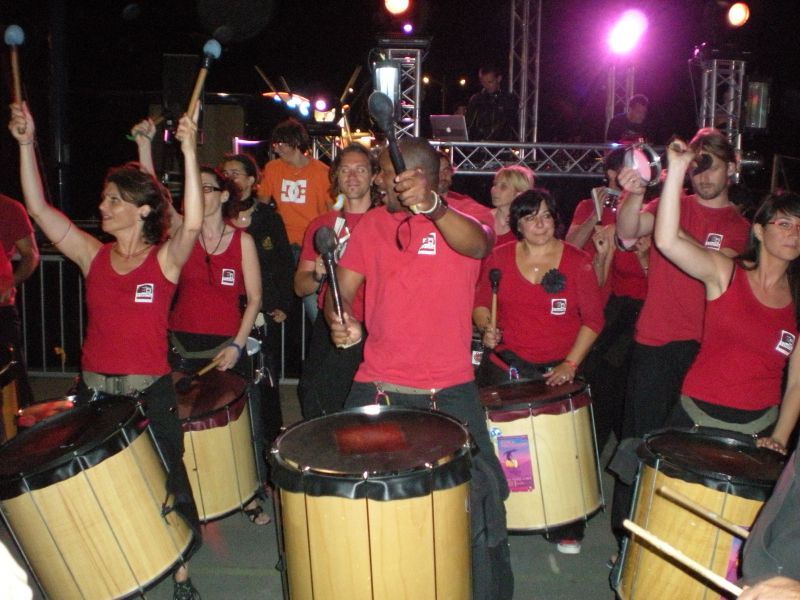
[{"x": 515, "y": 458}]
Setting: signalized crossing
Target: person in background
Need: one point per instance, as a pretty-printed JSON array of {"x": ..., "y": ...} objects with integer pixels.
[
  {"x": 630, "y": 125},
  {"x": 509, "y": 182}
]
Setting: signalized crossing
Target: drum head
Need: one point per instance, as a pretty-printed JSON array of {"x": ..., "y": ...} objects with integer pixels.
[
  {"x": 717, "y": 459},
  {"x": 410, "y": 451},
  {"x": 65, "y": 444},
  {"x": 210, "y": 393},
  {"x": 645, "y": 161},
  {"x": 39, "y": 411},
  {"x": 534, "y": 394}
]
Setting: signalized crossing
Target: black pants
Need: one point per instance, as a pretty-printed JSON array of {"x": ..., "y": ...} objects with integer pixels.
[
  {"x": 11, "y": 337},
  {"x": 654, "y": 388},
  {"x": 328, "y": 373}
]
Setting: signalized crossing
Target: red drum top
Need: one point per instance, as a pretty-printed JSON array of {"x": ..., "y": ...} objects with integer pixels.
[
  {"x": 212, "y": 400},
  {"x": 534, "y": 398},
  {"x": 377, "y": 452},
  {"x": 39, "y": 411},
  {"x": 718, "y": 459},
  {"x": 67, "y": 443}
]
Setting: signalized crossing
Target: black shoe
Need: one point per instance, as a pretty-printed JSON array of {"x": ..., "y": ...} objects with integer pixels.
[{"x": 184, "y": 590}]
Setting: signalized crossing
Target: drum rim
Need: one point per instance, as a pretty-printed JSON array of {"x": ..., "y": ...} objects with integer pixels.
[
  {"x": 55, "y": 470},
  {"x": 451, "y": 470},
  {"x": 583, "y": 388},
  {"x": 242, "y": 397}
]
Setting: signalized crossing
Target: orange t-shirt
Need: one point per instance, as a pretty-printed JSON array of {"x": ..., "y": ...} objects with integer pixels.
[{"x": 301, "y": 194}]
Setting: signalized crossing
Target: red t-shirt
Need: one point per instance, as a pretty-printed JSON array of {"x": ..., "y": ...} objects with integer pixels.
[
  {"x": 673, "y": 309},
  {"x": 301, "y": 194},
  {"x": 469, "y": 206},
  {"x": 418, "y": 301},
  {"x": 744, "y": 350},
  {"x": 14, "y": 226},
  {"x": 626, "y": 277},
  {"x": 309, "y": 251},
  {"x": 210, "y": 290},
  {"x": 6, "y": 274},
  {"x": 537, "y": 325},
  {"x": 127, "y": 330}
]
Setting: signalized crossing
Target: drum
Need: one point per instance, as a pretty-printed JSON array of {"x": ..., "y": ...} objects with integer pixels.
[
  {"x": 9, "y": 403},
  {"x": 82, "y": 493},
  {"x": 715, "y": 470},
  {"x": 218, "y": 439},
  {"x": 374, "y": 505},
  {"x": 544, "y": 439},
  {"x": 39, "y": 411}
]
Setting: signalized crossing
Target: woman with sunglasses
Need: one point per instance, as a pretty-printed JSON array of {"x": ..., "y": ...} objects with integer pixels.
[{"x": 751, "y": 319}]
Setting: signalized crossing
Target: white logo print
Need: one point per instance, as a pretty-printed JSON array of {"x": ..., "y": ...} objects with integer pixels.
[
  {"x": 786, "y": 343},
  {"x": 145, "y": 292},
  {"x": 558, "y": 306},
  {"x": 228, "y": 277},
  {"x": 293, "y": 191},
  {"x": 714, "y": 241},
  {"x": 428, "y": 244}
]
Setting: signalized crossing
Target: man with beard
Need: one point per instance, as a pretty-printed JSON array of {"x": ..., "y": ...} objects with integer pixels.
[{"x": 419, "y": 261}]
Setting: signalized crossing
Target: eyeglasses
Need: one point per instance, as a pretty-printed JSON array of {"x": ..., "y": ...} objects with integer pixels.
[
  {"x": 232, "y": 174},
  {"x": 785, "y": 225},
  {"x": 207, "y": 189}
]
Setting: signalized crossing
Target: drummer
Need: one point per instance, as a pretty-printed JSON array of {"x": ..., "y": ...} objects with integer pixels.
[
  {"x": 549, "y": 310},
  {"x": 420, "y": 271},
  {"x": 751, "y": 318},
  {"x": 129, "y": 287}
]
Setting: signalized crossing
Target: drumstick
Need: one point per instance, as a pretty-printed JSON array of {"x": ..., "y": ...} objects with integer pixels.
[
  {"x": 15, "y": 37},
  {"x": 692, "y": 564},
  {"x": 704, "y": 512},
  {"x": 184, "y": 383},
  {"x": 494, "y": 277},
  {"x": 211, "y": 50}
]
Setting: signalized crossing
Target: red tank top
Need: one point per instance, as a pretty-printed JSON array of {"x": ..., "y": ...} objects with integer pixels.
[
  {"x": 127, "y": 331},
  {"x": 744, "y": 350},
  {"x": 209, "y": 291}
]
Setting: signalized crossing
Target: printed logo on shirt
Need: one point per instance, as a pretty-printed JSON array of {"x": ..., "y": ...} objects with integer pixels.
[
  {"x": 428, "y": 244},
  {"x": 714, "y": 241},
  {"x": 266, "y": 243},
  {"x": 558, "y": 306},
  {"x": 293, "y": 191},
  {"x": 786, "y": 343},
  {"x": 145, "y": 292},
  {"x": 228, "y": 277}
]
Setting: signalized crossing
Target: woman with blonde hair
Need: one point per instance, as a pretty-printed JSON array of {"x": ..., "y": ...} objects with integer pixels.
[{"x": 509, "y": 182}]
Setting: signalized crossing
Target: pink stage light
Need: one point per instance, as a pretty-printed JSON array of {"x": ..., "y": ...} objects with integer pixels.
[
  {"x": 320, "y": 105},
  {"x": 408, "y": 28},
  {"x": 627, "y": 32}
]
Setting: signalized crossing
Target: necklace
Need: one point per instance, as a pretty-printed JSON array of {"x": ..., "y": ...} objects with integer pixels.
[
  {"x": 205, "y": 247},
  {"x": 116, "y": 249}
]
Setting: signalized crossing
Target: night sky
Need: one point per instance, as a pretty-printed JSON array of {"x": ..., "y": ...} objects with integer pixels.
[{"x": 114, "y": 57}]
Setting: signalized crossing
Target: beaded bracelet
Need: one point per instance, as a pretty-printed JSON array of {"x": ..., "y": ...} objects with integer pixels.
[{"x": 238, "y": 349}]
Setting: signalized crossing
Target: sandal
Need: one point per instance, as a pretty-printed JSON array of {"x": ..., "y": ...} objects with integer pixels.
[
  {"x": 255, "y": 513},
  {"x": 184, "y": 590}
]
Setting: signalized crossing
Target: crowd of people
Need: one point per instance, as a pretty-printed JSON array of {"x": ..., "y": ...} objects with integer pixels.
[{"x": 678, "y": 311}]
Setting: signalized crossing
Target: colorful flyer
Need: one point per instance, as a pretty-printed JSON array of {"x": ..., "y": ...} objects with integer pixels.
[{"x": 515, "y": 458}]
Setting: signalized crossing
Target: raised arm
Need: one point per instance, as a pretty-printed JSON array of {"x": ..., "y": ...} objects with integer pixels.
[
  {"x": 143, "y": 133},
  {"x": 710, "y": 267},
  {"x": 75, "y": 244},
  {"x": 175, "y": 252},
  {"x": 632, "y": 222}
]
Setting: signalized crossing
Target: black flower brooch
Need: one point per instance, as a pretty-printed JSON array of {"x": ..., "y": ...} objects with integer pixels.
[{"x": 554, "y": 281}]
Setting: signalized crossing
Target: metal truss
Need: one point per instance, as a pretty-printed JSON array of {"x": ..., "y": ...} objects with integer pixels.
[
  {"x": 523, "y": 64},
  {"x": 325, "y": 147},
  {"x": 410, "y": 61},
  {"x": 546, "y": 160},
  {"x": 618, "y": 92},
  {"x": 721, "y": 97}
]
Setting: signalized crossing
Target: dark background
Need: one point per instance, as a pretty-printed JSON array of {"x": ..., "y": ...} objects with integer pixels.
[{"x": 113, "y": 57}]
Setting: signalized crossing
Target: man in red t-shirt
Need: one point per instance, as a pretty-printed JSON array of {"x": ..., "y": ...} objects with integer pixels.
[
  {"x": 420, "y": 272},
  {"x": 328, "y": 371},
  {"x": 670, "y": 325},
  {"x": 16, "y": 241}
]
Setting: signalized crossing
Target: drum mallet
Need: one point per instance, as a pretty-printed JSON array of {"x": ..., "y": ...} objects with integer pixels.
[
  {"x": 325, "y": 243},
  {"x": 494, "y": 278},
  {"x": 676, "y": 554},
  {"x": 688, "y": 504},
  {"x": 15, "y": 37},
  {"x": 381, "y": 109},
  {"x": 211, "y": 51},
  {"x": 184, "y": 383}
]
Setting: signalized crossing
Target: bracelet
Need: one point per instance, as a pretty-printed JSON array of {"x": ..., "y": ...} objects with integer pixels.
[
  {"x": 571, "y": 363},
  {"x": 238, "y": 349},
  {"x": 25, "y": 143},
  {"x": 436, "y": 202}
]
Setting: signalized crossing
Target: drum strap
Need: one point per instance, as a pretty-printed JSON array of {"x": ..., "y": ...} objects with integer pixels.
[
  {"x": 210, "y": 353},
  {"x": 703, "y": 419}
]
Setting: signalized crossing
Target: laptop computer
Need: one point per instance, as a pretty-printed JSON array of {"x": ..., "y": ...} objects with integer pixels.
[{"x": 449, "y": 128}]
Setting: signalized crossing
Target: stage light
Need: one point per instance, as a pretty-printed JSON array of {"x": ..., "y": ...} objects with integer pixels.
[
  {"x": 462, "y": 82},
  {"x": 738, "y": 14},
  {"x": 627, "y": 32},
  {"x": 408, "y": 28},
  {"x": 426, "y": 80},
  {"x": 397, "y": 7},
  {"x": 320, "y": 105},
  {"x": 386, "y": 79}
]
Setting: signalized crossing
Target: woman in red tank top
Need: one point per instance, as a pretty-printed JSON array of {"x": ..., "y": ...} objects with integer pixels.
[
  {"x": 135, "y": 275},
  {"x": 751, "y": 319}
]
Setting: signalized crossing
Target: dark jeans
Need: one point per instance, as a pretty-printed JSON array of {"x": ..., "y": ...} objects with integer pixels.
[{"x": 654, "y": 388}]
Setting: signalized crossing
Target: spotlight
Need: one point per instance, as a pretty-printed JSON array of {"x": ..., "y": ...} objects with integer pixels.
[
  {"x": 321, "y": 105},
  {"x": 397, "y": 7},
  {"x": 738, "y": 14},
  {"x": 408, "y": 28},
  {"x": 627, "y": 32}
]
